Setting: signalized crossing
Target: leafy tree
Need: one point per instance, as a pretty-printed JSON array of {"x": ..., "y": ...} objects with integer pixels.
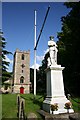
[
  {"x": 32, "y": 79},
  {"x": 69, "y": 47},
  {"x": 41, "y": 76},
  {"x": 5, "y": 74},
  {"x": 68, "y": 51}
]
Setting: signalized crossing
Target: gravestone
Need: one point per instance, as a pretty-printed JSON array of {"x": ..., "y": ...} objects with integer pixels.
[
  {"x": 18, "y": 104},
  {"x": 55, "y": 86},
  {"x": 21, "y": 109}
]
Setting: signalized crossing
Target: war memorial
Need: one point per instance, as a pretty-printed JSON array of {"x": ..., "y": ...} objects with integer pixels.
[{"x": 55, "y": 87}]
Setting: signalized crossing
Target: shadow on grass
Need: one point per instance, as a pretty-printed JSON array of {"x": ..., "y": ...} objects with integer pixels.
[
  {"x": 24, "y": 98},
  {"x": 37, "y": 101},
  {"x": 34, "y": 99}
]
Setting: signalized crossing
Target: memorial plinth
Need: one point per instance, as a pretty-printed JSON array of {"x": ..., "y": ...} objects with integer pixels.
[{"x": 55, "y": 85}]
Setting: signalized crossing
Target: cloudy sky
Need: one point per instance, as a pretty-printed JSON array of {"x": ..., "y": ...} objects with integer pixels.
[{"x": 18, "y": 26}]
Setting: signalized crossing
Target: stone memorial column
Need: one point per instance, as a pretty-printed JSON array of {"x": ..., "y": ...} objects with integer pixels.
[{"x": 55, "y": 86}]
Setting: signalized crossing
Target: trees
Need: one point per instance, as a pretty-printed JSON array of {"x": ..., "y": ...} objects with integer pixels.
[
  {"x": 3, "y": 66},
  {"x": 69, "y": 47},
  {"x": 41, "y": 76}
]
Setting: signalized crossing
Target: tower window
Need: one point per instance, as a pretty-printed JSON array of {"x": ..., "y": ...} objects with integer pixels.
[
  {"x": 22, "y": 56},
  {"x": 22, "y": 71},
  {"x": 23, "y": 65},
  {"x": 22, "y": 79}
]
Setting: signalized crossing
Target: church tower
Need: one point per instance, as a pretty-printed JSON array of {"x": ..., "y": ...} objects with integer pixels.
[{"x": 21, "y": 72}]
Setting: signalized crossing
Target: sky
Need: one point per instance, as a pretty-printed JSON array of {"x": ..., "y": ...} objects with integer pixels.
[{"x": 18, "y": 26}]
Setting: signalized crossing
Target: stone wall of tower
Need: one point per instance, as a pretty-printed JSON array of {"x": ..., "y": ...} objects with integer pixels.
[{"x": 21, "y": 68}]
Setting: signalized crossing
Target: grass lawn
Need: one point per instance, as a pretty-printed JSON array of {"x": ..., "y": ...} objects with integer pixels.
[
  {"x": 76, "y": 104},
  {"x": 0, "y": 106},
  {"x": 31, "y": 104},
  {"x": 9, "y": 104}
]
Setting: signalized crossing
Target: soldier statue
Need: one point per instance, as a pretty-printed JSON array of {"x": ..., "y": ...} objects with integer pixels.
[{"x": 52, "y": 59}]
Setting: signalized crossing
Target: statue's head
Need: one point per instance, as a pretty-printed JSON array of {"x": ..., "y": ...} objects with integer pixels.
[
  {"x": 51, "y": 42},
  {"x": 51, "y": 37}
]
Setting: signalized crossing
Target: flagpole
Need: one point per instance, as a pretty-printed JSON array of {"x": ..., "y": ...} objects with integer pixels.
[{"x": 35, "y": 54}]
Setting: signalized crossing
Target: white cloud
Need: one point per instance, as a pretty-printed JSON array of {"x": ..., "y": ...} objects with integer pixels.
[
  {"x": 39, "y": 58},
  {"x": 45, "y": 51},
  {"x": 37, "y": 66},
  {"x": 8, "y": 59},
  {"x": 9, "y": 68}
]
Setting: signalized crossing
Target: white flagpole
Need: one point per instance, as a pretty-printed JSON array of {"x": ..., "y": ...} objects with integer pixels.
[{"x": 35, "y": 55}]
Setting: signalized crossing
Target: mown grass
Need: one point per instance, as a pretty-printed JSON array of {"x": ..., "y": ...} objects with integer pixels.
[
  {"x": 0, "y": 106},
  {"x": 76, "y": 104},
  {"x": 9, "y": 104},
  {"x": 32, "y": 104}
]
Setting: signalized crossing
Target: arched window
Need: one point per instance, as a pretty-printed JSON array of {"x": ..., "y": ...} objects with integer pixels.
[
  {"x": 22, "y": 56},
  {"x": 21, "y": 79}
]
